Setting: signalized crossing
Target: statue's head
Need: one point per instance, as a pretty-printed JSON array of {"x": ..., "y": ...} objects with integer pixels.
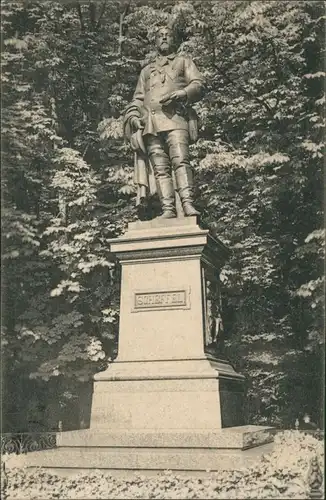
[{"x": 165, "y": 40}]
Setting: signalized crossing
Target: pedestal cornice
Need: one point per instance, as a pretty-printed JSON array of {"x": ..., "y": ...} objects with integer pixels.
[{"x": 168, "y": 239}]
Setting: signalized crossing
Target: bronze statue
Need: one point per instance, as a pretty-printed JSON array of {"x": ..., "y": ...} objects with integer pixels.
[{"x": 160, "y": 124}]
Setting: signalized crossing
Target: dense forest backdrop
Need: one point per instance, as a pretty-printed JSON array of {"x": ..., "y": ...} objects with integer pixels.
[{"x": 69, "y": 69}]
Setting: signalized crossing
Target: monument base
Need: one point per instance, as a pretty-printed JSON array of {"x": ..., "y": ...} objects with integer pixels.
[
  {"x": 165, "y": 402},
  {"x": 154, "y": 451},
  {"x": 188, "y": 394}
]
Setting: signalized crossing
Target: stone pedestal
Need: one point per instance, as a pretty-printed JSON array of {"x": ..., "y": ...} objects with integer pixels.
[
  {"x": 163, "y": 378},
  {"x": 170, "y": 400}
]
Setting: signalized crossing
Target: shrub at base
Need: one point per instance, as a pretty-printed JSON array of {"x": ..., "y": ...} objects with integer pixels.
[{"x": 280, "y": 474}]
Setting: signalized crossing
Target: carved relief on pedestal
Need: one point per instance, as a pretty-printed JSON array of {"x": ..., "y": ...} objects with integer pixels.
[{"x": 214, "y": 331}]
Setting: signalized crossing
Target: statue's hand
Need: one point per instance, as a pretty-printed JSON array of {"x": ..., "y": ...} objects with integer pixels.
[
  {"x": 177, "y": 95},
  {"x": 136, "y": 123}
]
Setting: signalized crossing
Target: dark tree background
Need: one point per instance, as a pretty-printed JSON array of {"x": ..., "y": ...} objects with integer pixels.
[{"x": 69, "y": 70}]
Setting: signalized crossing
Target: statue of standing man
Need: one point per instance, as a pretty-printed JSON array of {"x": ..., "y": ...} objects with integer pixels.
[{"x": 160, "y": 124}]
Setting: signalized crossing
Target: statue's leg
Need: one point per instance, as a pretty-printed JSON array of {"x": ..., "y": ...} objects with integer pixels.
[
  {"x": 178, "y": 144},
  {"x": 162, "y": 170}
]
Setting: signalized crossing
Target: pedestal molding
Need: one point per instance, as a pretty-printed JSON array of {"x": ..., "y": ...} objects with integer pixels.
[
  {"x": 151, "y": 236},
  {"x": 130, "y": 259},
  {"x": 185, "y": 376},
  {"x": 200, "y": 368},
  {"x": 160, "y": 254}
]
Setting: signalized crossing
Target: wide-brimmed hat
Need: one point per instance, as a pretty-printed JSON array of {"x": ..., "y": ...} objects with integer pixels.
[{"x": 137, "y": 142}]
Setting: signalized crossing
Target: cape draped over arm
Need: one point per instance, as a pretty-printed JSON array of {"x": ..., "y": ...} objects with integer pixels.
[{"x": 143, "y": 170}]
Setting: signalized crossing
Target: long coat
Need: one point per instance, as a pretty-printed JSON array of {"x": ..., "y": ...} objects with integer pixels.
[{"x": 159, "y": 79}]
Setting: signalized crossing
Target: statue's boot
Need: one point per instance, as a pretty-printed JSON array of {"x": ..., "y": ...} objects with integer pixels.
[
  {"x": 184, "y": 181},
  {"x": 167, "y": 197}
]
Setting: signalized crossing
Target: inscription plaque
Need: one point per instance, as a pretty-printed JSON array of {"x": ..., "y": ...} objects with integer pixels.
[{"x": 167, "y": 299}]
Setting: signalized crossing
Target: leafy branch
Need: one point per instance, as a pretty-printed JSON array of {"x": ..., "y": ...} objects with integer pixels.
[{"x": 121, "y": 21}]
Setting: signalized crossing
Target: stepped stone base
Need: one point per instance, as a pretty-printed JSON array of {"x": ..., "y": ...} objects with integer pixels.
[
  {"x": 165, "y": 395},
  {"x": 242, "y": 438},
  {"x": 155, "y": 451}
]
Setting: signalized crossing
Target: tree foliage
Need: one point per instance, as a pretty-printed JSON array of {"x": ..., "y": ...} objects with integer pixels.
[{"x": 69, "y": 69}]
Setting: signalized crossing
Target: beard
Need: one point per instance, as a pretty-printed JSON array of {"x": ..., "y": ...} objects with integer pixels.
[{"x": 165, "y": 48}]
